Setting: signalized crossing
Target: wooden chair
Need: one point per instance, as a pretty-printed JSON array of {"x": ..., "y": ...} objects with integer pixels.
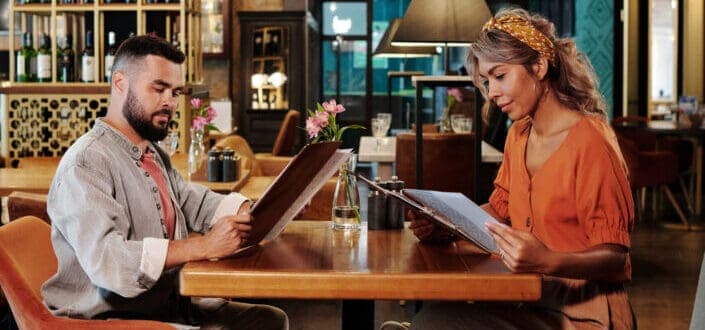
[
  {"x": 20, "y": 204},
  {"x": 650, "y": 169},
  {"x": 447, "y": 161},
  {"x": 286, "y": 139},
  {"x": 28, "y": 260}
]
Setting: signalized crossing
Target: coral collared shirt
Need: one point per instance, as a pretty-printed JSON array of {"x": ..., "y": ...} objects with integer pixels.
[{"x": 579, "y": 198}]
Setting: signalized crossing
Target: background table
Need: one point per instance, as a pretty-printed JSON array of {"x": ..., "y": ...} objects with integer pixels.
[
  {"x": 309, "y": 260},
  {"x": 386, "y": 155},
  {"x": 36, "y": 174}
]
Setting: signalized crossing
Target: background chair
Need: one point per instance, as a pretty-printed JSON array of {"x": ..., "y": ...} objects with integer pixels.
[
  {"x": 447, "y": 161},
  {"x": 650, "y": 169},
  {"x": 28, "y": 261},
  {"x": 286, "y": 139}
]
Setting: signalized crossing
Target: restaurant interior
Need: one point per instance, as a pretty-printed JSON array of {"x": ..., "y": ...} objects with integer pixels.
[{"x": 258, "y": 71}]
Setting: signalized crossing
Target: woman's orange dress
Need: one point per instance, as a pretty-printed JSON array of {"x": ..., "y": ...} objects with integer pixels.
[{"x": 579, "y": 198}]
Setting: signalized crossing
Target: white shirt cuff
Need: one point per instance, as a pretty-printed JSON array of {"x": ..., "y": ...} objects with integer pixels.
[
  {"x": 153, "y": 257},
  {"x": 228, "y": 206}
]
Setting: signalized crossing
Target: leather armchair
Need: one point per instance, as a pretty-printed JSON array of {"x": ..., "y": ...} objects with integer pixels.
[{"x": 28, "y": 261}]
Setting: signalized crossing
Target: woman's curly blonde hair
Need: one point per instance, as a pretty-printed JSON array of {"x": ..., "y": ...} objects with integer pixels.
[{"x": 570, "y": 76}]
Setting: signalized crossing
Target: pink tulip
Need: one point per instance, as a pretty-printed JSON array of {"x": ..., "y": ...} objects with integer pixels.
[
  {"x": 210, "y": 114},
  {"x": 321, "y": 118},
  {"x": 199, "y": 122},
  {"x": 456, "y": 93},
  {"x": 332, "y": 107},
  {"x": 312, "y": 127},
  {"x": 196, "y": 103}
]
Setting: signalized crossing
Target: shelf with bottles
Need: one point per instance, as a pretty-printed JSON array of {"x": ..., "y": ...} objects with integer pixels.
[{"x": 58, "y": 21}]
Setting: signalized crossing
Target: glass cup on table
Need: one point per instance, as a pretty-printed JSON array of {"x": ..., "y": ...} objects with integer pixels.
[
  {"x": 170, "y": 143},
  {"x": 379, "y": 130},
  {"x": 387, "y": 117},
  {"x": 460, "y": 123}
]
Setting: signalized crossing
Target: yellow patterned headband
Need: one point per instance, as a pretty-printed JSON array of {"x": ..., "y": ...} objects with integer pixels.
[{"x": 520, "y": 28}]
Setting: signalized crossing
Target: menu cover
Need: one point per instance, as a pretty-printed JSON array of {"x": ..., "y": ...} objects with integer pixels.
[
  {"x": 293, "y": 188},
  {"x": 454, "y": 211}
]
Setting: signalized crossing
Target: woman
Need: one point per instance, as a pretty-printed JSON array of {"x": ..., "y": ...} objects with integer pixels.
[{"x": 561, "y": 197}]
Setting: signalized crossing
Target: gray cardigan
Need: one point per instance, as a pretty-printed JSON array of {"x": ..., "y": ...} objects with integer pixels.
[{"x": 108, "y": 234}]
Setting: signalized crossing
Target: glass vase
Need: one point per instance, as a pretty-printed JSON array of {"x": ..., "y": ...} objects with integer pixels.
[
  {"x": 346, "y": 199},
  {"x": 196, "y": 152},
  {"x": 444, "y": 124}
]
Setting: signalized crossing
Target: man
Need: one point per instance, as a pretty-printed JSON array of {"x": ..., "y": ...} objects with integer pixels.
[{"x": 120, "y": 212}]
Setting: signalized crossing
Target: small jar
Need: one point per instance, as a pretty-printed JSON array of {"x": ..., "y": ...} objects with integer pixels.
[
  {"x": 230, "y": 170},
  {"x": 376, "y": 209},
  {"x": 395, "y": 208},
  {"x": 215, "y": 166}
]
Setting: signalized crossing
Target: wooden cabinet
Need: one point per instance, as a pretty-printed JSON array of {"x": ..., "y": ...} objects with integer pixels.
[{"x": 279, "y": 63}]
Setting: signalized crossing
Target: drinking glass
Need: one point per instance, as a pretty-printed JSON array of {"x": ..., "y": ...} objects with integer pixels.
[
  {"x": 387, "y": 117},
  {"x": 456, "y": 122},
  {"x": 379, "y": 130},
  {"x": 170, "y": 143},
  {"x": 462, "y": 125}
]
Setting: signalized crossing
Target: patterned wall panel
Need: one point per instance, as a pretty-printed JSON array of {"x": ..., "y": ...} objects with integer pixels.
[
  {"x": 46, "y": 125},
  {"x": 594, "y": 34}
]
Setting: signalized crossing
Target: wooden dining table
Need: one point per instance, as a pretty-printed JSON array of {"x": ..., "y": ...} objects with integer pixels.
[
  {"x": 35, "y": 174},
  {"x": 310, "y": 260}
]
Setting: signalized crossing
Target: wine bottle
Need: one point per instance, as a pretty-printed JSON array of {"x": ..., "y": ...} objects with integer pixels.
[
  {"x": 66, "y": 73},
  {"x": 26, "y": 60},
  {"x": 110, "y": 56},
  {"x": 175, "y": 40},
  {"x": 88, "y": 60},
  {"x": 44, "y": 59}
]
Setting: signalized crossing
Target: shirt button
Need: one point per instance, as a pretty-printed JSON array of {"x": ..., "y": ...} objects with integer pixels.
[
  {"x": 159, "y": 207},
  {"x": 154, "y": 189},
  {"x": 528, "y": 221},
  {"x": 146, "y": 174},
  {"x": 135, "y": 149}
]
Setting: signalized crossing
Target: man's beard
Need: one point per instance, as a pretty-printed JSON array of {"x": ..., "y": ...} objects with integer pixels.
[{"x": 136, "y": 117}]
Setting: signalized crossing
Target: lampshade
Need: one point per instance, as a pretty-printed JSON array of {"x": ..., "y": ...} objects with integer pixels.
[
  {"x": 277, "y": 79},
  {"x": 442, "y": 23},
  {"x": 385, "y": 48},
  {"x": 258, "y": 80}
]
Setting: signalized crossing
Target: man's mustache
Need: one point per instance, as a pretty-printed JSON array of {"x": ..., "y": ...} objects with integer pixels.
[{"x": 165, "y": 112}]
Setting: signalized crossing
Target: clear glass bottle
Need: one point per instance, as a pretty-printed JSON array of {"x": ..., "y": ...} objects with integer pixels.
[
  {"x": 196, "y": 152},
  {"x": 346, "y": 199}
]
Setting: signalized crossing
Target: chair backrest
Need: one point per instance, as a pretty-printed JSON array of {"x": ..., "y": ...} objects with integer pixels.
[
  {"x": 286, "y": 139},
  {"x": 28, "y": 261},
  {"x": 240, "y": 145},
  {"x": 697, "y": 320},
  {"x": 447, "y": 161},
  {"x": 634, "y": 129}
]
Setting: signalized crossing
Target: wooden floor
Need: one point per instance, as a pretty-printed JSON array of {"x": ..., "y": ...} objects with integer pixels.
[{"x": 666, "y": 266}]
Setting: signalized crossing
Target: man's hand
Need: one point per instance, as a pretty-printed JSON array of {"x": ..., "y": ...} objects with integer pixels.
[
  {"x": 425, "y": 229},
  {"x": 228, "y": 233},
  {"x": 224, "y": 238}
]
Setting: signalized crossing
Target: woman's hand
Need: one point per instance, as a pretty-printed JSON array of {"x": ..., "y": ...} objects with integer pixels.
[
  {"x": 425, "y": 229},
  {"x": 521, "y": 251}
]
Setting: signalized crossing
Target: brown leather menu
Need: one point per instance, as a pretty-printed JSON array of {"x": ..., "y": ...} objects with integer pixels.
[{"x": 293, "y": 188}]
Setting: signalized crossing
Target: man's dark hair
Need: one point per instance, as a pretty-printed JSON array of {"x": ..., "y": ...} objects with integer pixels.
[{"x": 137, "y": 48}]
